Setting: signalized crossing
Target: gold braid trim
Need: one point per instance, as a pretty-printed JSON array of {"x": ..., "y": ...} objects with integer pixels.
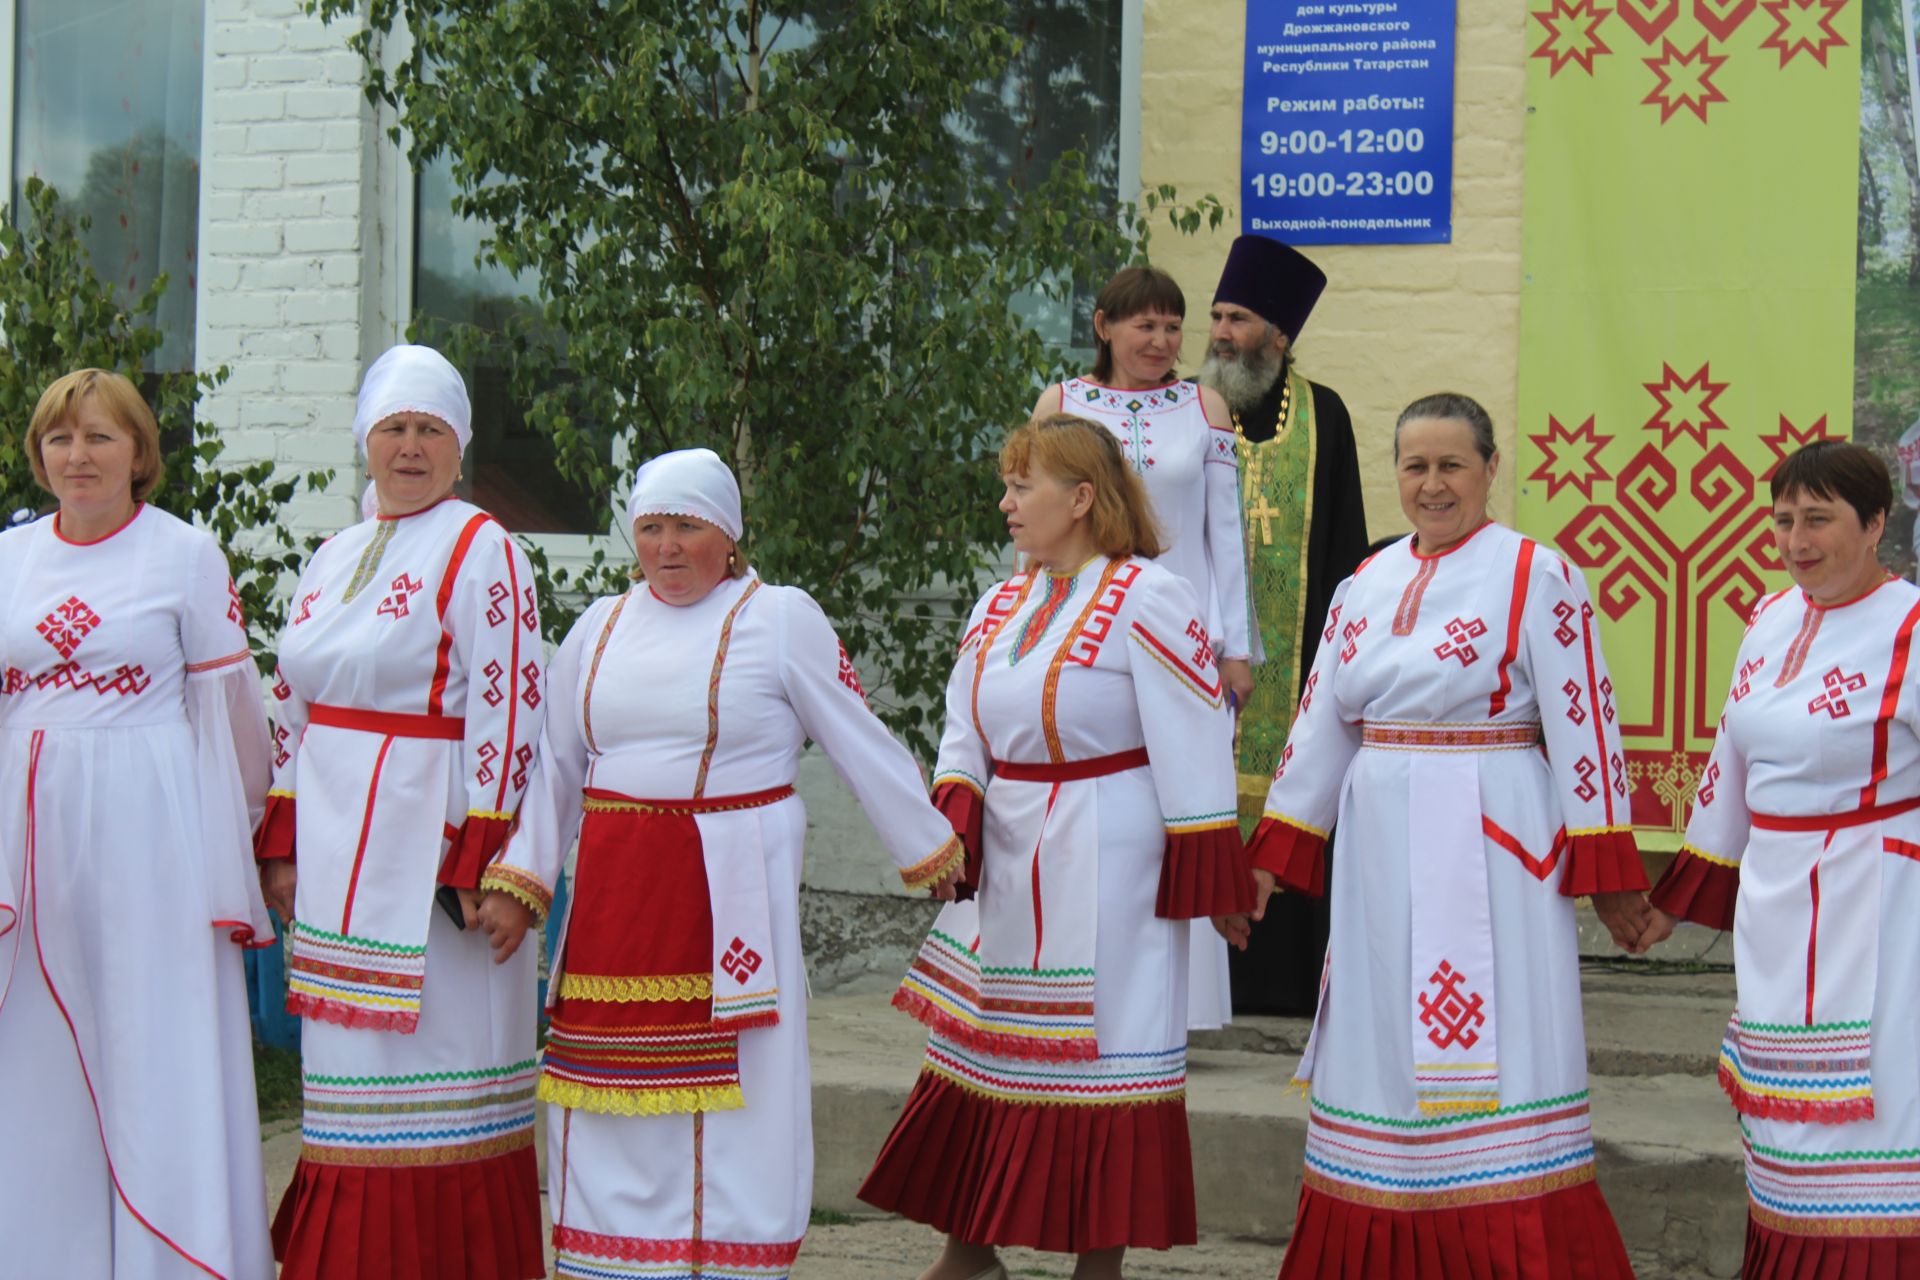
[
  {"x": 516, "y": 883},
  {"x": 640, "y": 1102},
  {"x": 659, "y": 987},
  {"x": 936, "y": 866}
]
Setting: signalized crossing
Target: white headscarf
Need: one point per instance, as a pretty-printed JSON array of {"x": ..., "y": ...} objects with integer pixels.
[
  {"x": 410, "y": 379},
  {"x": 687, "y": 482}
]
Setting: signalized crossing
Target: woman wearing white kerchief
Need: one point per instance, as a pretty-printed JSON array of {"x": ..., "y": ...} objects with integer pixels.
[
  {"x": 407, "y": 708},
  {"x": 676, "y": 1066}
]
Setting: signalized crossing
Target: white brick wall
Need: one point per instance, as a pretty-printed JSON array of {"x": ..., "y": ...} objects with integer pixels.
[{"x": 293, "y": 280}]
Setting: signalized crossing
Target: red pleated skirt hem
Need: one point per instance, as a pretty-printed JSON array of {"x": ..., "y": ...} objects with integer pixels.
[
  {"x": 477, "y": 1220},
  {"x": 1566, "y": 1234},
  {"x": 1777, "y": 1254},
  {"x": 1065, "y": 1178}
]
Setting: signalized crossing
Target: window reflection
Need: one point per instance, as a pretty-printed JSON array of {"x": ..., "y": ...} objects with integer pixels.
[{"x": 107, "y": 111}]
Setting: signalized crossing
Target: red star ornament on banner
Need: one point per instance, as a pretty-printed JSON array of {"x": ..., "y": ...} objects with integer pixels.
[
  {"x": 1575, "y": 462},
  {"x": 1686, "y": 80},
  {"x": 1686, "y": 406},
  {"x": 1803, "y": 26},
  {"x": 1791, "y": 439},
  {"x": 1573, "y": 35},
  {"x": 1722, "y": 18},
  {"x": 1649, "y": 18}
]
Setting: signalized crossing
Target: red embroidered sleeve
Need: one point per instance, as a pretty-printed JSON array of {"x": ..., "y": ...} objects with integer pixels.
[
  {"x": 1204, "y": 873},
  {"x": 964, "y": 808},
  {"x": 1699, "y": 887},
  {"x": 274, "y": 839},
  {"x": 1294, "y": 854},
  {"x": 478, "y": 842},
  {"x": 1604, "y": 860}
]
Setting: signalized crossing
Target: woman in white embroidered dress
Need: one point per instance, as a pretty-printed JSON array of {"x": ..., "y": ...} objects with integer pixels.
[
  {"x": 134, "y": 750},
  {"x": 680, "y": 1128},
  {"x": 1178, "y": 435},
  {"x": 1448, "y": 1069},
  {"x": 1087, "y": 761},
  {"x": 1808, "y": 818},
  {"x": 408, "y": 709}
]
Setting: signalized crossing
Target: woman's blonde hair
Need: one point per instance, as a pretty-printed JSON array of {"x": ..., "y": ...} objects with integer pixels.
[
  {"x": 122, "y": 402},
  {"x": 1075, "y": 451}
]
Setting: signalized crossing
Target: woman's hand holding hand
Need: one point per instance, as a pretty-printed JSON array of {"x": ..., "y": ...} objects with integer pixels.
[
  {"x": 946, "y": 888},
  {"x": 1658, "y": 929},
  {"x": 1627, "y": 917},
  {"x": 277, "y": 881},
  {"x": 506, "y": 920},
  {"x": 1234, "y": 928},
  {"x": 1238, "y": 675},
  {"x": 1263, "y": 887}
]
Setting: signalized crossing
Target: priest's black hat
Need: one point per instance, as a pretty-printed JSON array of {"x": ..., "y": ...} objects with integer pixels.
[{"x": 1276, "y": 282}]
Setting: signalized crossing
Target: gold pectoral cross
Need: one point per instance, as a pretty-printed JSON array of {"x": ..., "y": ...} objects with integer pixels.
[{"x": 1259, "y": 506}]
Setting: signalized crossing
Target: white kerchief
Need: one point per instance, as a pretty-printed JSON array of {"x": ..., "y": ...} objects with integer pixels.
[
  {"x": 410, "y": 379},
  {"x": 688, "y": 482}
]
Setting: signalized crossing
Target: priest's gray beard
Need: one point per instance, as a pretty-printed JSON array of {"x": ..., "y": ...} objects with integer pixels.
[{"x": 1242, "y": 379}]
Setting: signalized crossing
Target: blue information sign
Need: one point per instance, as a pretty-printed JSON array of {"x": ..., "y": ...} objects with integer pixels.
[{"x": 1347, "y": 123}]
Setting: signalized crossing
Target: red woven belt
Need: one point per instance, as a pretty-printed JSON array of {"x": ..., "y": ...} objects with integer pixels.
[
  {"x": 1071, "y": 770},
  {"x": 598, "y": 801},
  {"x": 393, "y": 724}
]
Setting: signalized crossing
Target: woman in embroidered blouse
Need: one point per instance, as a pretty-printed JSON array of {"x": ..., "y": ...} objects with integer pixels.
[
  {"x": 679, "y": 1121},
  {"x": 1178, "y": 435},
  {"x": 1458, "y": 729},
  {"x": 1087, "y": 760},
  {"x": 1805, "y": 841},
  {"x": 407, "y": 708},
  {"x": 134, "y": 753}
]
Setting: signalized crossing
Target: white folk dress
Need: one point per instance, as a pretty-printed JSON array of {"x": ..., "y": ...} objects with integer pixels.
[
  {"x": 408, "y": 709},
  {"x": 1448, "y": 1066},
  {"x": 1805, "y": 841},
  {"x": 1087, "y": 760},
  {"x": 133, "y": 748},
  {"x": 671, "y": 750},
  {"x": 1192, "y": 473}
]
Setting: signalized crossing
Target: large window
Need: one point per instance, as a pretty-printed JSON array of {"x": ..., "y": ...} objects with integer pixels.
[{"x": 107, "y": 110}]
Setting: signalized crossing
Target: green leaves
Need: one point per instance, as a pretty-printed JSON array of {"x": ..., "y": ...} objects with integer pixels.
[
  {"x": 781, "y": 229},
  {"x": 56, "y": 316}
]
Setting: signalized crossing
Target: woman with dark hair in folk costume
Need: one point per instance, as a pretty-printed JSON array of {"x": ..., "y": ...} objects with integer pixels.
[
  {"x": 134, "y": 750},
  {"x": 680, "y": 1133},
  {"x": 1805, "y": 841},
  {"x": 1178, "y": 436},
  {"x": 1457, "y": 730},
  {"x": 1087, "y": 761},
  {"x": 408, "y": 710}
]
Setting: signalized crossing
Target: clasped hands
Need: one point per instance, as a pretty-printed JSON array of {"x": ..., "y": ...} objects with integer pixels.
[{"x": 501, "y": 916}]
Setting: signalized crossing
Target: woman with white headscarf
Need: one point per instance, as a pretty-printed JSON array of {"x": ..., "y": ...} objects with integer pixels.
[
  {"x": 408, "y": 706},
  {"x": 679, "y": 1132}
]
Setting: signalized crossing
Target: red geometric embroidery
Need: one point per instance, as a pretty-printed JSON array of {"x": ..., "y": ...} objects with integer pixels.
[
  {"x": 1333, "y": 625},
  {"x": 1586, "y": 768},
  {"x": 496, "y": 592},
  {"x": 1565, "y": 634},
  {"x": 1099, "y": 619},
  {"x": 280, "y": 753},
  {"x": 529, "y": 612},
  {"x": 848, "y": 676},
  {"x": 1407, "y": 616},
  {"x": 1575, "y": 712},
  {"x": 281, "y": 689},
  {"x": 487, "y": 752},
  {"x": 306, "y": 607},
  {"x": 1351, "y": 633},
  {"x": 1834, "y": 701},
  {"x": 124, "y": 680},
  {"x": 1286, "y": 755},
  {"x": 400, "y": 590},
  {"x": 1454, "y": 1015},
  {"x": 235, "y": 614},
  {"x": 1747, "y": 671},
  {"x": 1619, "y": 774},
  {"x": 1606, "y": 701},
  {"x": 1203, "y": 648},
  {"x": 1460, "y": 634},
  {"x": 493, "y": 671},
  {"x": 717, "y": 1253},
  {"x": 530, "y": 685},
  {"x": 68, "y": 625},
  {"x": 1306, "y": 693},
  {"x": 522, "y": 760},
  {"x": 740, "y": 962},
  {"x": 1708, "y": 781}
]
